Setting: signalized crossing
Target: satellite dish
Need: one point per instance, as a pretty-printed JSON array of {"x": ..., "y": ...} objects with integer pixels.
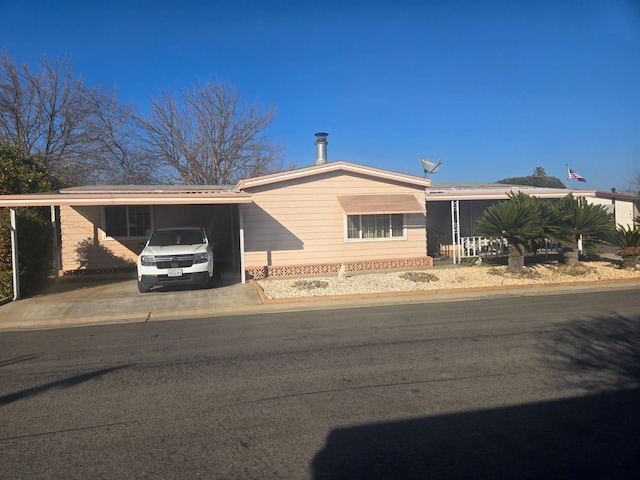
[{"x": 430, "y": 166}]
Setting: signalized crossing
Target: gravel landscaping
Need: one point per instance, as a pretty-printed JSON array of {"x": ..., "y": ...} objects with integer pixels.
[{"x": 443, "y": 278}]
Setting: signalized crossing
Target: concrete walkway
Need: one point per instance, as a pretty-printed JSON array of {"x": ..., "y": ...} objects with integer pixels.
[
  {"x": 83, "y": 302},
  {"x": 118, "y": 301}
]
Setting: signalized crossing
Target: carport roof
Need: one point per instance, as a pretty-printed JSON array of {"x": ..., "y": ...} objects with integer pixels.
[{"x": 130, "y": 195}]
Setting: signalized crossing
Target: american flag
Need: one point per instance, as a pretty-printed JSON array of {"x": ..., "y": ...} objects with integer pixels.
[{"x": 575, "y": 175}]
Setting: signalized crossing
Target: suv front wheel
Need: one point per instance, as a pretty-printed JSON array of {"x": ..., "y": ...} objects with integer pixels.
[{"x": 142, "y": 288}]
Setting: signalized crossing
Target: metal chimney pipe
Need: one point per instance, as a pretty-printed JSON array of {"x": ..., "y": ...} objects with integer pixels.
[{"x": 321, "y": 148}]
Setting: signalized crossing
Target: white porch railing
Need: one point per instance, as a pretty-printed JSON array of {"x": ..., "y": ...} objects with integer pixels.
[
  {"x": 480, "y": 246},
  {"x": 474, "y": 247},
  {"x": 470, "y": 247}
]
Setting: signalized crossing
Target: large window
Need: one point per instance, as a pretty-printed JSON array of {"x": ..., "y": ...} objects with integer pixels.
[
  {"x": 375, "y": 226},
  {"x": 127, "y": 221}
]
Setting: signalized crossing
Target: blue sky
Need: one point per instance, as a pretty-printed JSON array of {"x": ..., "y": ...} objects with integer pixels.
[{"x": 494, "y": 88}]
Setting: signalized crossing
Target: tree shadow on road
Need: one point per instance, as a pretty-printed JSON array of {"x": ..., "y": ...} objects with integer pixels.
[
  {"x": 592, "y": 436},
  {"x": 598, "y": 353},
  {"x": 64, "y": 383}
]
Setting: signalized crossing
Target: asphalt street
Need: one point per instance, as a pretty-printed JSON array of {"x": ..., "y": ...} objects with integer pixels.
[{"x": 517, "y": 387}]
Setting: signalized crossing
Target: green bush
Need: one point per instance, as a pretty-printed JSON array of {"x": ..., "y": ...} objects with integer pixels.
[
  {"x": 310, "y": 284},
  {"x": 419, "y": 277},
  {"x": 35, "y": 250},
  {"x": 20, "y": 175}
]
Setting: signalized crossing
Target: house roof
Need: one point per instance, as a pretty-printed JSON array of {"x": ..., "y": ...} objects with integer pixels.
[
  {"x": 130, "y": 195},
  {"x": 618, "y": 196},
  {"x": 497, "y": 192},
  {"x": 336, "y": 166}
]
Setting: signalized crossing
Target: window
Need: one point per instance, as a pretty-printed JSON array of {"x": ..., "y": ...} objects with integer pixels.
[
  {"x": 375, "y": 226},
  {"x": 127, "y": 221}
]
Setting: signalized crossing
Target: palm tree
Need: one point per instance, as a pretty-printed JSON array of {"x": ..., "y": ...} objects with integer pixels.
[
  {"x": 628, "y": 239},
  {"x": 519, "y": 220},
  {"x": 579, "y": 219},
  {"x": 539, "y": 172}
]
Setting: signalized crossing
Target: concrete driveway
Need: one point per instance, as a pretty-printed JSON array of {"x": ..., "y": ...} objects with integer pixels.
[{"x": 87, "y": 302}]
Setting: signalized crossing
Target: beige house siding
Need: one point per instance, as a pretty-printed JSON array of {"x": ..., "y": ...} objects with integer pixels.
[
  {"x": 302, "y": 222},
  {"x": 624, "y": 211},
  {"x": 84, "y": 245}
]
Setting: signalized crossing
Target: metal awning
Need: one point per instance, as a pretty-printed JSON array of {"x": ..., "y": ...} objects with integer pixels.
[{"x": 372, "y": 204}]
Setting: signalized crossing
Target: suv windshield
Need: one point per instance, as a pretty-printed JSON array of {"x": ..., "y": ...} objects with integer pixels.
[{"x": 164, "y": 238}]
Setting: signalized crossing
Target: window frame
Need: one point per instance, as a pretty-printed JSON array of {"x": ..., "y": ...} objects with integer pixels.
[
  {"x": 390, "y": 238},
  {"x": 106, "y": 236}
]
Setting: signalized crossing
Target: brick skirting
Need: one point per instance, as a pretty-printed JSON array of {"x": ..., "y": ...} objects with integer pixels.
[
  {"x": 257, "y": 273},
  {"x": 82, "y": 272}
]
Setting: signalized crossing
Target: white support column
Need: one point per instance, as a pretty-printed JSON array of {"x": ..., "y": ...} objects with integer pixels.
[
  {"x": 580, "y": 245},
  {"x": 14, "y": 255},
  {"x": 455, "y": 230},
  {"x": 56, "y": 253},
  {"x": 243, "y": 278}
]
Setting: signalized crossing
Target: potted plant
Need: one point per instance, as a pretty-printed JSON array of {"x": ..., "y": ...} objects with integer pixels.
[{"x": 628, "y": 239}]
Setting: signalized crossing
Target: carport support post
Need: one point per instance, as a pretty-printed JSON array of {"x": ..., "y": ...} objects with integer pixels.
[
  {"x": 455, "y": 230},
  {"x": 54, "y": 227},
  {"x": 243, "y": 278},
  {"x": 14, "y": 254}
]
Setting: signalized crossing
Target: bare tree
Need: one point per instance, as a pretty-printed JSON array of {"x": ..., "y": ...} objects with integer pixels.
[
  {"x": 80, "y": 133},
  {"x": 113, "y": 132},
  {"x": 206, "y": 135},
  {"x": 634, "y": 183}
]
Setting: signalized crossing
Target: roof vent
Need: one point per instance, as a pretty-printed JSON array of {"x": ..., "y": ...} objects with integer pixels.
[{"x": 321, "y": 148}]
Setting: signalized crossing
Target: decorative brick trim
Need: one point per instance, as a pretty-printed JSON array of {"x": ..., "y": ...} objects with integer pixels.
[
  {"x": 256, "y": 273},
  {"x": 81, "y": 272}
]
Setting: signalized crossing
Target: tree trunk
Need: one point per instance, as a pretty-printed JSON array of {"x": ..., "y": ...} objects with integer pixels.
[
  {"x": 629, "y": 261},
  {"x": 516, "y": 259},
  {"x": 571, "y": 258}
]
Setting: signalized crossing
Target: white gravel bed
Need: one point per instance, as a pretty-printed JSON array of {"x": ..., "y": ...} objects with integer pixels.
[{"x": 441, "y": 278}]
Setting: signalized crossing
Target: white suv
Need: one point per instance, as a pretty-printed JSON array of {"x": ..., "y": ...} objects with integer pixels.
[{"x": 180, "y": 255}]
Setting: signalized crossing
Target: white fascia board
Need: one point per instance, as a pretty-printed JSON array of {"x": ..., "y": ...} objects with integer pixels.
[
  {"x": 77, "y": 200},
  {"x": 503, "y": 195}
]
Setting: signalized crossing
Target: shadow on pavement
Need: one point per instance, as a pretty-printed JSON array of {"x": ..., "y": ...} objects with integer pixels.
[
  {"x": 591, "y": 437},
  {"x": 13, "y": 361},
  {"x": 65, "y": 383},
  {"x": 594, "y": 436},
  {"x": 72, "y": 283},
  {"x": 596, "y": 353}
]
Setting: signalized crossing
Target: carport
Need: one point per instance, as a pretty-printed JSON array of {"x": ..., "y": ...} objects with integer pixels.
[{"x": 102, "y": 228}]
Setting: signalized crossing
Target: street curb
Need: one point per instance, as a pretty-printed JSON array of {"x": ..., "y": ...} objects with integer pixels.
[
  {"x": 327, "y": 302},
  {"x": 441, "y": 291}
]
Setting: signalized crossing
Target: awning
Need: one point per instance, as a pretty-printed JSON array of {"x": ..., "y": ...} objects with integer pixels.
[{"x": 372, "y": 204}]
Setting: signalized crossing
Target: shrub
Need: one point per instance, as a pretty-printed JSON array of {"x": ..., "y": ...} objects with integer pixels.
[
  {"x": 310, "y": 284},
  {"x": 25, "y": 175},
  {"x": 419, "y": 277},
  {"x": 34, "y": 250}
]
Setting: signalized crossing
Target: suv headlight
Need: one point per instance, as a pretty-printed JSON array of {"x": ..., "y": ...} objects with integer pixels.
[
  {"x": 148, "y": 260},
  {"x": 201, "y": 258}
]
